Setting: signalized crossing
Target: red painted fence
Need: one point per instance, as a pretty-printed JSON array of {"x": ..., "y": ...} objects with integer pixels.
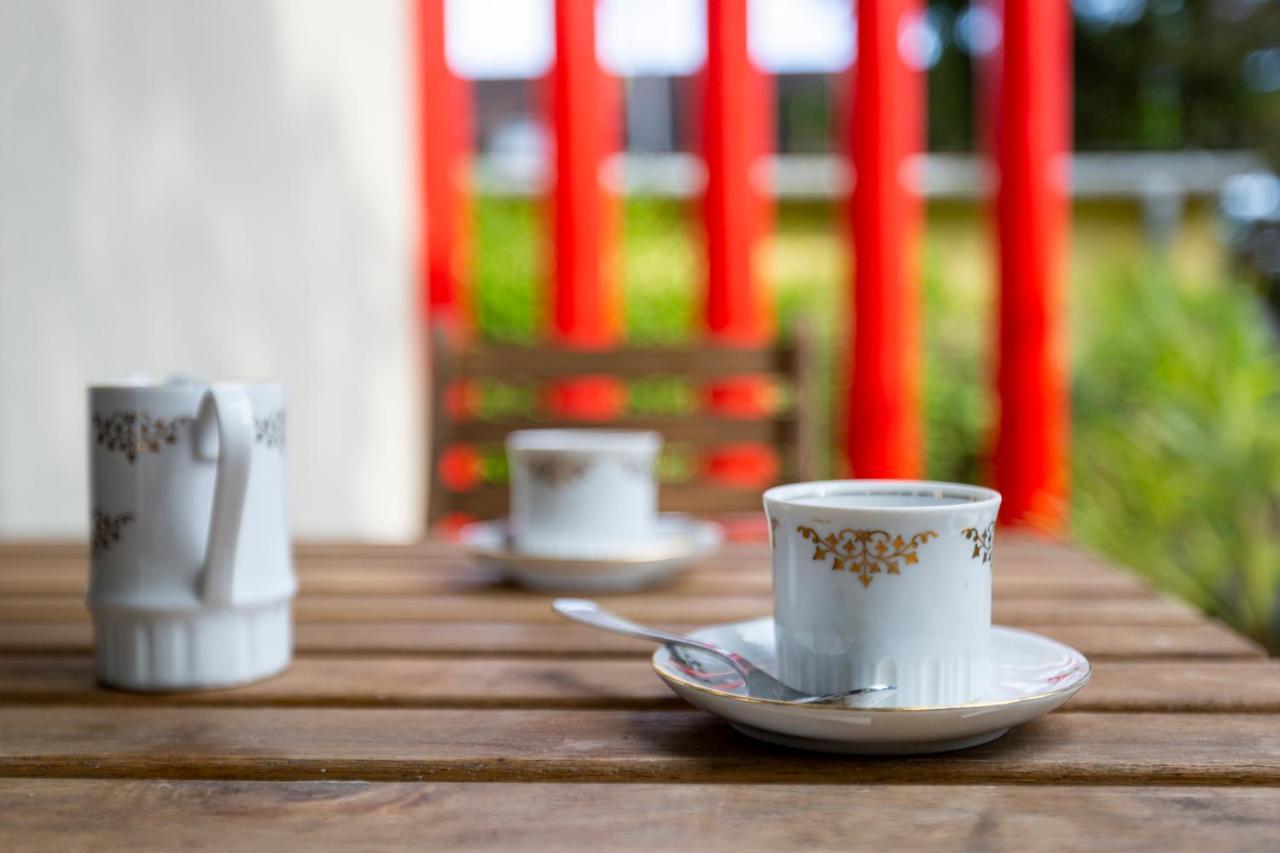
[
  {"x": 1031, "y": 143},
  {"x": 442, "y": 169},
  {"x": 884, "y": 434},
  {"x": 737, "y": 128},
  {"x": 585, "y": 293},
  {"x": 737, "y": 212}
]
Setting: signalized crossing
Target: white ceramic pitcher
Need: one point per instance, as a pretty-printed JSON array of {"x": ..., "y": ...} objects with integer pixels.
[{"x": 192, "y": 580}]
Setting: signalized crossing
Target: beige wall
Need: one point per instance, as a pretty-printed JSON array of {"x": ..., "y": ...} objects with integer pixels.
[{"x": 222, "y": 189}]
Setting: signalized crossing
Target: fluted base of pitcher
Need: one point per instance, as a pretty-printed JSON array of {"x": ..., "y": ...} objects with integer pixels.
[{"x": 191, "y": 650}]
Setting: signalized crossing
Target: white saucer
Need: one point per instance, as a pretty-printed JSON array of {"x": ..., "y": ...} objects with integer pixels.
[
  {"x": 678, "y": 540},
  {"x": 1030, "y": 676}
]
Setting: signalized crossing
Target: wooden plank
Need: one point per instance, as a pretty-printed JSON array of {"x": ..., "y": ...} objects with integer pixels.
[
  {"x": 733, "y": 556},
  {"x": 335, "y": 549},
  {"x": 39, "y": 549},
  {"x": 1204, "y": 641},
  {"x": 94, "y": 814},
  {"x": 634, "y": 746},
  {"x": 732, "y": 561},
  {"x": 458, "y": 576},
  {"x": 518, "y": 606},
  {"x": 353, "y": 681},
  {"x": 453, "y": 570},
  {"x": 1009, "y": 544},
  {"x": 1182, "y": 686},
  {"x": 751, "y": 555}
]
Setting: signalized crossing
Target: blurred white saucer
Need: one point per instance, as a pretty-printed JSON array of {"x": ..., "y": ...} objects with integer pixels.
[{"x": 678, "y": 540}]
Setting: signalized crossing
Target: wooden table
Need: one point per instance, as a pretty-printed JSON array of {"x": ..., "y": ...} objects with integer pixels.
[{"x": 431, "y": 706}]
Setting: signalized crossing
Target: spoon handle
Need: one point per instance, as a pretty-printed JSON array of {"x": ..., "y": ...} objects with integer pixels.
[{"x": 589, "y": 613}]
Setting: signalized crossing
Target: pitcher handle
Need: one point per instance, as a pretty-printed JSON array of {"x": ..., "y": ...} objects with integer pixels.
[{"x": 229, "y": 405}]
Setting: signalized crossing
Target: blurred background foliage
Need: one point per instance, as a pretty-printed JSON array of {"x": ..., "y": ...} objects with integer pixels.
[
  {"x": 1176, "y": 380},
  {"x": 1176, "y": 419},
  {"x": 1149, "y": 75},
  {"x": 1177, "y": 441}
]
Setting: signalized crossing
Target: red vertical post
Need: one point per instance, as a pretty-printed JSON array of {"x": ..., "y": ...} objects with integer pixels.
[
  {"x": 737, "y": 130},
  {"x": 444, "y": 115},
  {"x": 884, "y": 436},
  {"x": 444, "y": 150},
  {"x": 1031, "y": 145},
  {"x": 585, "y": 298}
]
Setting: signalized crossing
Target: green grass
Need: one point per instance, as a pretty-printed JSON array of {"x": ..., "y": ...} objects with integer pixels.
[
  {"x": 1176, "y": 383},
  {"x": 1177, "y": 444},
  {"x": 509, "y": 269}
]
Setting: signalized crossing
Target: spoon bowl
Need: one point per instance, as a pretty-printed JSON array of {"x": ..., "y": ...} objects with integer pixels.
[{"x": 691, "y": 655}]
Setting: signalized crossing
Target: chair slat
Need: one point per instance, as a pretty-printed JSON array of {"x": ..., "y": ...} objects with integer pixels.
[
  {"x": 546, "y": 362},
  {"x": 788, "y": 433},
  {"x": 701, "y": 429}
]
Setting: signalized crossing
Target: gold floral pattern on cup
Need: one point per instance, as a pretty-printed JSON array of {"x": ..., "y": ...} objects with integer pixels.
[
  {"x": 136, "y": 433},
  {"x": 637, "y": 466},
  {"x": 865, "y": 552},
  {"x": 107, "y": 530},
  {"x": 269, "y": 431},
  {"x": 557, "y": 469},
  {"x": 982, "y": 541}
]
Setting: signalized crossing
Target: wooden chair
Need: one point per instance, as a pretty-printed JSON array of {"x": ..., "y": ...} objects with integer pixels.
[{"x": 789, "y": 431}]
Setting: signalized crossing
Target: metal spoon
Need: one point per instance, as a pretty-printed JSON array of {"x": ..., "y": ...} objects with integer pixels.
[{"x": 760, "y": 684}]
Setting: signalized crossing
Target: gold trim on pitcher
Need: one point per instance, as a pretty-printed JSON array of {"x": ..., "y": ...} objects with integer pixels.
[
  {"x": 135, "y": 433},
  {"x": 107, "y": 530},
  {"x": 269, "y": 431}
]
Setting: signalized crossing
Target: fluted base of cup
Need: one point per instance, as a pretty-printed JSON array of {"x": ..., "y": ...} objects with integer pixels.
[
  {"x": 950, "y": 679},
  {"x": 191, "y": 650}
]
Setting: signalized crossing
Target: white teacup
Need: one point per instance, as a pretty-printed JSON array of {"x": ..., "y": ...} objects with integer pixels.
[
  {"x": 192, "y": 579},
  {"x": 583, "y": 493},
  {"x": 883, "y": 582}
]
